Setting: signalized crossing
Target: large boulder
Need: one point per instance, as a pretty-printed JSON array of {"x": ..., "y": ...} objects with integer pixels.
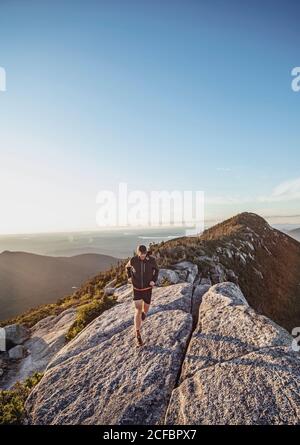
[
  {"x": 167, "y": 276},
  {"x": 47, "y": 338},
  {"x": 110, "y": 287},
  {"x": 101, "y": 377},
  {"x": 190, "y": 268},
  {"x": 261, "y": 387},
  {"x": 124, "y": 293},
  {"x": 239, "y": 367},
  {"x": 16, "y": 334},
  {"x": 17, "y": 352}
]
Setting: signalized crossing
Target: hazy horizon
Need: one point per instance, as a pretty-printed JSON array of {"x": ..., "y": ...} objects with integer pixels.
[
  {"x": 207, "y": 223},
  {"x": 118, "y": 243}
]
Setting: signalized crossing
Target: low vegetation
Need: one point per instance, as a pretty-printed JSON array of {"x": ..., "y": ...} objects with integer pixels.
[
  {"x": 12, "y": 401},
  {"x": 88, "y": 313}
]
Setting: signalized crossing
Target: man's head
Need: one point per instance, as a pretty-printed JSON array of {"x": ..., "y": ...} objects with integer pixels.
[{"x": 141, "y": 251}]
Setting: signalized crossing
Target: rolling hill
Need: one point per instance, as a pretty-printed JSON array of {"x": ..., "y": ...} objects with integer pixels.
[{"x": 28, "y": 280}]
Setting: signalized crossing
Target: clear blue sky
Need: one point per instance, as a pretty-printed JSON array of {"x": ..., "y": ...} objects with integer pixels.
[{"x": 188, "y": 95}]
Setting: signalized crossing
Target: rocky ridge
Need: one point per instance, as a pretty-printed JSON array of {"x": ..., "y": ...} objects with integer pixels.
[
  {"x": 208, "y": 346},
  {"x": 233, "y": 358}
]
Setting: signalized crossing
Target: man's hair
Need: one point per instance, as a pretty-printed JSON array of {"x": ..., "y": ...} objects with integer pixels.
[{"x": 141, "y": 248}]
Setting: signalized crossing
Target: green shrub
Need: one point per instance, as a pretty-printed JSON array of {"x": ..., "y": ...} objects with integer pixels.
[
  {"x": 87, "y": 313},
  {"x": 12, "y": 401}
]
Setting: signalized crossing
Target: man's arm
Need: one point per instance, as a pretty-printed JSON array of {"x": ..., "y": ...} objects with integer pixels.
[{"x": 128, "y": 269}]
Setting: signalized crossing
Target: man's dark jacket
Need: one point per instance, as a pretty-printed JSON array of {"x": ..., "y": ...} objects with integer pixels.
[{"x": 142, "y": 272}]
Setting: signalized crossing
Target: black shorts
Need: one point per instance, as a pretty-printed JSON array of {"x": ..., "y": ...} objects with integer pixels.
[{"x": 142, "y": 295}]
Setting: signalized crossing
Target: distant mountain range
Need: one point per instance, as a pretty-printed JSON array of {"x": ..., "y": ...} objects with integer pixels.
[{"x": 28, "y": 280}]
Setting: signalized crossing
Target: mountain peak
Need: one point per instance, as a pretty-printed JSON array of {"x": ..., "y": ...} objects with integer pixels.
[
  {"x": 263, "y": 260},
  {"x": 249, "y": 219},
  {"x": 242, "y": 222}
]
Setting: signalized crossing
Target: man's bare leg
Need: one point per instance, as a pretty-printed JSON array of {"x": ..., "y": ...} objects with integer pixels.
[
  {"x": 146, "y": 307},
  {"x": 138, "y": 314},
  {"x": 138, "y": 321}
]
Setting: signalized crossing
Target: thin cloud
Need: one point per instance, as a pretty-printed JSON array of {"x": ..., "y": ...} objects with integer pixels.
[
  {"x": 224, "y": 169},
  {"x": 285, "y": 191}
]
